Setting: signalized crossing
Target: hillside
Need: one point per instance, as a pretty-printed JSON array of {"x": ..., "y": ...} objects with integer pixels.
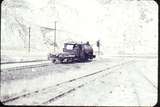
[{"x": 123, "y": 26}]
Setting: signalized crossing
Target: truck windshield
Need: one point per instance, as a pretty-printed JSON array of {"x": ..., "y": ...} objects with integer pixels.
[{"x": 69, "y": 47}]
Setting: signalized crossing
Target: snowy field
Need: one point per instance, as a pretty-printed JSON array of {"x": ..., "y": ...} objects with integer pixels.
[
  {"x": 21, "y": 64},
  {"x": 11, "y": 56},
  {"x": 125, "y": 73},
  {"x": 133, "y": 83},
  {"x": 126, "y": 87}
]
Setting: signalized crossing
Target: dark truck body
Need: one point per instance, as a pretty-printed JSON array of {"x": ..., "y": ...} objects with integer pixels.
[{"x": 74, "y": 52}]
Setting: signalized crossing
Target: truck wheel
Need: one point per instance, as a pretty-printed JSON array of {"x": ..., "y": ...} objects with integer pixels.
[
  {"x": 61, "y": 60},
  {"x": 85, "y": 57},
  {"x": 70, "y": 60},
  {"x": 57, "y": 61},
  {"x": 65, "y": 60},
  {"x": 53, "y": 60}
]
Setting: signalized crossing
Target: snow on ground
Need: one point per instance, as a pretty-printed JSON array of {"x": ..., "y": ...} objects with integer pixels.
[
  {"x": 127, "y": 86},
  {"x": 20, "y": 56},
  {"x": 5, "y": 66},
  {"x": 123, "y": 27},
  {"x": 28, "y": 79}
]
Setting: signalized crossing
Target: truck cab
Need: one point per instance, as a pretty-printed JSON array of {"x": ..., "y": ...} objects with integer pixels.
[{"x": 75, "y": 52}]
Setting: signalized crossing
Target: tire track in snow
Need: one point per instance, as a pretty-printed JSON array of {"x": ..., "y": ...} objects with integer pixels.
[
  {"x": 63, "y": 93},
  {"x": 75, "y": 87}
]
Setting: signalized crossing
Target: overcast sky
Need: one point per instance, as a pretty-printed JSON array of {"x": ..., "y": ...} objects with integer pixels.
[{"x": 111, "y": 21}]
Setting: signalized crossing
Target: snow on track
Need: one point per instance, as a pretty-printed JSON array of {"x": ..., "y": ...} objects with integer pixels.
[
  {"x": 14, "y": 65},
  {"x": 52, "y": 93},
  {"x": 101, "y": 80},
  {"x": 125, "y": 87}
]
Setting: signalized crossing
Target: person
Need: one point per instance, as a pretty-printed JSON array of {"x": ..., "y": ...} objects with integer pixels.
[{"x": 98, "y": 43}]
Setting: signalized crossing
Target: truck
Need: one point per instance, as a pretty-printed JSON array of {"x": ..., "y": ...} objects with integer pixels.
[{"x": 73, "y": 52}]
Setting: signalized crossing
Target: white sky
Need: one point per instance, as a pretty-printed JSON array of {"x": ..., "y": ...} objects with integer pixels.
[{"x": 92, "y": 20}]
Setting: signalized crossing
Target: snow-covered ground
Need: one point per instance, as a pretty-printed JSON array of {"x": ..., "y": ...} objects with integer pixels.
[
  {"x": 9, "y": 56},
  {"x": 14, "y": 65},
  {"x": 127, "y": 30},
  {"x": 131, "y": 84},
  {"x": 52, "y": 74},
  {"x": 126, "y": 87}
]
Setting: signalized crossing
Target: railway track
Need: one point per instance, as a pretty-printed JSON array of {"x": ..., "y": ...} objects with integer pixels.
[
  {"x": 25, "y": 66},
  {"x": 52, "y": 93},
  {"x": 14, "y": 62}
]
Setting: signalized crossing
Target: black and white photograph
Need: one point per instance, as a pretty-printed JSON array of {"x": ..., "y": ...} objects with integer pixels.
[{"x": 79, "y": 52}]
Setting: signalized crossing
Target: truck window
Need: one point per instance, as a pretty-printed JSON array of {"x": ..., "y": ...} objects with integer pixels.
[{"x": 69, "y": 47}]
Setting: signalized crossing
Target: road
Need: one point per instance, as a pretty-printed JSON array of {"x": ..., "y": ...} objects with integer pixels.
[{"x": 104, "y": 81}]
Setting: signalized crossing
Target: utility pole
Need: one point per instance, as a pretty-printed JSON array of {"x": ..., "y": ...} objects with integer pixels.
[
  {"x": 98, "y": 45},
  {"x": 29, "y": 40},
  {"x": 55, "y": 37}
]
